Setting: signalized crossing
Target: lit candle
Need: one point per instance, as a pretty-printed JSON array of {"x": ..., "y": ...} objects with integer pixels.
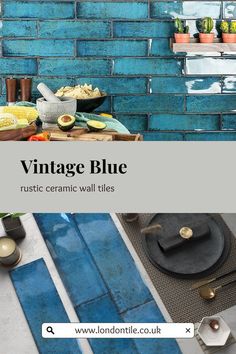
[{"x": 10, "y": 254}]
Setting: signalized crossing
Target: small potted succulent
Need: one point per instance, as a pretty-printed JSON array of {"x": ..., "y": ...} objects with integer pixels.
[
  {"x": 206, "y": 26},
  {"x": 182, "y": 34},
  {"x": 12, "y": 225},
  {"x": 228, "y": 29}
]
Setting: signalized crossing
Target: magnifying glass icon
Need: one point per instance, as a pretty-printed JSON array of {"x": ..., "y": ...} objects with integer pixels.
[{"x": 50, "y": 330}]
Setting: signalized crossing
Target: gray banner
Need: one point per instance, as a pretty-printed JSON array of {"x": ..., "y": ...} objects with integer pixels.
[{"x": 161, "y": 176}]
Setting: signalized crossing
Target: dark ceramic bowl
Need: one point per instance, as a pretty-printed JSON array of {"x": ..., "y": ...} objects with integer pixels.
[{"x": 90, "y": 104}]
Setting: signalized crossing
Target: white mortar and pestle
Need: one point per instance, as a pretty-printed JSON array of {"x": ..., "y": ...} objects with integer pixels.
[{"x": 50, "y": 107}]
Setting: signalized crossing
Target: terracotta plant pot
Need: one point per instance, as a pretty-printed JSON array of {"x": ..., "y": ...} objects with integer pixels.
[
  {"x": 206, "y": 37},
  {"x": 229, "y": 37},
  {"x": 182, "y": 37}
]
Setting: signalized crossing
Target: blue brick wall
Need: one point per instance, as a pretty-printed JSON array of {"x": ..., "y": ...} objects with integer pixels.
[{"x": 123, "y": 47}]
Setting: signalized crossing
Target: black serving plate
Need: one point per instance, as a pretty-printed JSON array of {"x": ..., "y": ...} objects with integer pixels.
[
  {"x": 195, "y": 259},
  {"x": 90, "y": 104}
]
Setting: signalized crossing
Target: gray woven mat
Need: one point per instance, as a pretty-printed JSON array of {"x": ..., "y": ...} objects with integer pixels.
[{"x": 182, "y": 304}]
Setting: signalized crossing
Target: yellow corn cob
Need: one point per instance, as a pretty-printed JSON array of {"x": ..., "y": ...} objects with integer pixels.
[{"x": 21, "y": 112}]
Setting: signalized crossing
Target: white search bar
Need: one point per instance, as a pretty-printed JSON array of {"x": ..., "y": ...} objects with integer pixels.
[{"x": 118, "y": 330}]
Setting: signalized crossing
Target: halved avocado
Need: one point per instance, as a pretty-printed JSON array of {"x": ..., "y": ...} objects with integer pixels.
[
  {"x": 95, "y": 126},
  {"x": 66, "y": 122}
]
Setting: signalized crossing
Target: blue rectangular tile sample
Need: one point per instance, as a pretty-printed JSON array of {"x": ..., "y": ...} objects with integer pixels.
[
  {"x": 117, "y": 85},
  {"x": 216, "y": 103},
  {"x": 74, "y": 67},
  {"x": 42, "y": 9},
  {"x": 113, "y": 259},
  {"x": 53, "y": 83},
  {"x": 123, "y": 48},
  {"x": 41, "y": 303},
  {"x": 185, "y": 85},
  {"x": 12, "y": 66},
  {"x": 71, "y": 256},
  {"x": 149, "y": 313},
  {"x": 42, "y": 48},
  {"x": 103, "y": 310},
  {"x": 185, "y": 9},
  {"x": 110, "y": 9},
  {"x": 143, "y": 29},
  {"x": 147, "y": 104},
  {"x": 18, "y": 28},
  {"x": 147, "y": 66},
  {"x": 184, "y": 122},
  {"x": 74, "y": 29}
]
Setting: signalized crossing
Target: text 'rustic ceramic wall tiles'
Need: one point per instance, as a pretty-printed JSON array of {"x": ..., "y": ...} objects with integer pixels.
[{"x": 123, "y": 48}]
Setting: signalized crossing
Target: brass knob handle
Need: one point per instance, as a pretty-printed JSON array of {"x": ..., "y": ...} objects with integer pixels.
[{"x": 186, "y": 233}]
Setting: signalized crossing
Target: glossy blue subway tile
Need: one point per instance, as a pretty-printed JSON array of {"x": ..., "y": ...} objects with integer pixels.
[
  {"x": 110, "y": 9},
  {"x": 104, "y": 310},
  {"x": 2, "y": 100},
  {"x": 210, "y": 66},
  {"x": 151, "y": 103},
  {"x": 134, "y": 123},
  {"x": 104, "y": 240},
  {"x": 117, "y": 85},
  {"x": 147, "y": 66},
  {"x": 185, "y": 85},
  {"x": 71, "y": 256},
  {"x": 185, "y": 9},
  {"x": 54, "y": 83},
  {"x": 229, "y": 84},
  {"x": 161, "y": 47},
  {"x": 36, "y": 9},
  {"x": 213, "y": 136},
  {"x": 184, "y": 122},
  {"x": 74, "y": 29},
  {"x": 143, "y": 29},
  {"x": 42, "y": 48},
  {"x": 229, "y": 121},
  {"x": 41, "y": 303},
  {"x": 74, "y": 67},
  {"x": 149, "y": 313},
  {"x": 18, "y": 28},
  {"x": 121, "y": 48},
  {"x": 13, "y": 66},
  {"x": 211, "y": 103},
  {"x": 163, "y": 136}
]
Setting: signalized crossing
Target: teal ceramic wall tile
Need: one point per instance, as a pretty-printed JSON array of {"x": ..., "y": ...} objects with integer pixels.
[
  {"x": 127, "y": 288},
  {"x": 74, "y": 29},
  {"x": 41, "y": 48},
  {"x": 161, "y": 47},
  {"x": 109, "y": 9},
  {"x": 229, "y": 84},
  {"x": 134, "y": 123},
  {"x": 184, "y": 122},
  {"x": 12, "y": 66},
  {"x": 104, "y": 310},
  {"x": 185, "y": 9},
  {"x": 143, "y": 29},
  {"x": 41, "y": 303},
  {"x": 120, "y": 48},
  {"x": 147, "y": 66},
  {"x": 74, "y": 67},
  {"x": 185, "y": 85},
  {"x": 36, "y": 9},
  {"x": 210, "y": 66},
  {"x": 229, "y": 121},
  {"x": 170, "y": 136},
  {"x": 147, "y": 104},
  {"x": 149, "y": 313},
  {"x": 229, "y": 8},
  {"x": 211, "y": 103},
  {"x": 18, "y": 29},
  {"x": 213, "y": 136}
]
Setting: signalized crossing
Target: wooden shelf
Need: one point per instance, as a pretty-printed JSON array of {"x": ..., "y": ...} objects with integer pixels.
[{"x": 195, "y": 47}]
